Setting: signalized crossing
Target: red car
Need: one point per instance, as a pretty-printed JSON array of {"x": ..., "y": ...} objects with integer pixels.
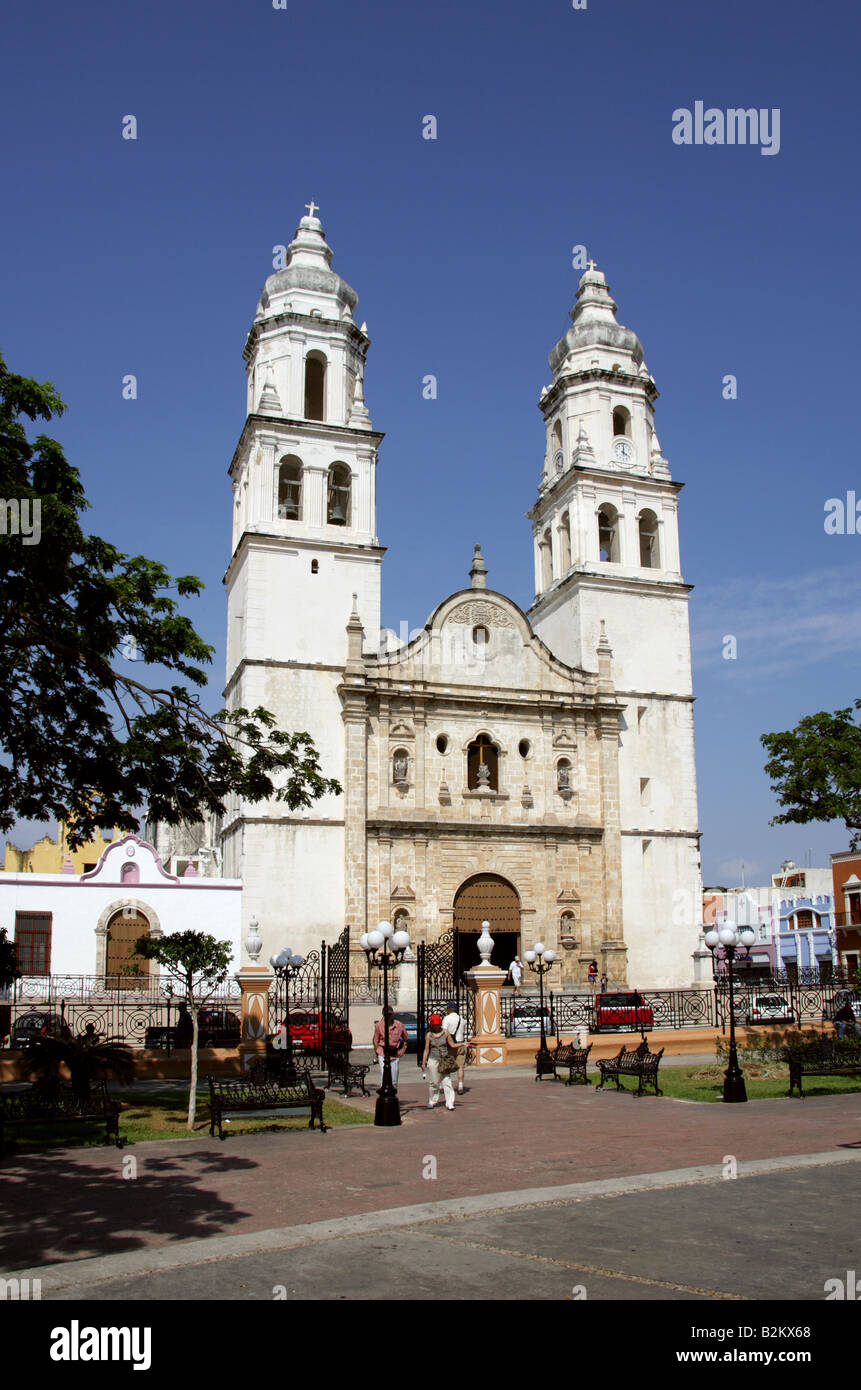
[
  {"x": 306, "y": 1032},
  {"x": 623, "y": 1009}
]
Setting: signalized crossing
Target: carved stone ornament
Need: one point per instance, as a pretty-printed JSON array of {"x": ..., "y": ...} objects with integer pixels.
[{"x": 480, "y": 611}]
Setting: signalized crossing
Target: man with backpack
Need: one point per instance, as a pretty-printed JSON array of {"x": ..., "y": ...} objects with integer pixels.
[{"x": 455, "y": 1026}]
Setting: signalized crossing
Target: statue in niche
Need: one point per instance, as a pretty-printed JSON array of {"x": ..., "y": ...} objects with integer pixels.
[
  {"x": 563, "y": 777},
  {"x": 483, "y": 776},
  {"x": 401, "y": 764}
]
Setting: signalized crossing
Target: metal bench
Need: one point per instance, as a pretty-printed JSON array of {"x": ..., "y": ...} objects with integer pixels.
[
  {"x": 340, "y": 1070},
  {"x": 267, "y": 1097},
  {"x": 56, "y": 1103},
  {"x": 640, "y": 1063},
  {"x": 828, "y": 1058},
  {"x": 565, "y": 1057}
]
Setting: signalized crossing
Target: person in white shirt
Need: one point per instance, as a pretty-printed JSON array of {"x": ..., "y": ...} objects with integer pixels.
[
  {"x": 515, "y": 973},
  {"x": 455, "y": 1026}
]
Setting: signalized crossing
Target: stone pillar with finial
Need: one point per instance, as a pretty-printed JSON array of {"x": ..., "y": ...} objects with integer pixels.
[
  {"x": 608, "y": 941},
  {"x": 486, "y": 981},
  {"x": 478, "y": 572}
]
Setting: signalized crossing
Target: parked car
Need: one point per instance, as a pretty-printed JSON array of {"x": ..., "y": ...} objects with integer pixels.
[
  {"x": 411, "y": 1027},
  {"x": 525, "y": 1021},
  {"x": 38, "y": 1023},
  {"x": 620, "y": 1010},
  {"x": 841, "y": 997},
  {"x": 770, "y": 1008},
  {"x": 306, "y": 1031},
  {"x": 216, "y": 1027}
]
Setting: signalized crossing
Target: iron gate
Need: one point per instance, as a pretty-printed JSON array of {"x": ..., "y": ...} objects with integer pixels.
[
  {"x": 336, "y": 992},
  {"x": 319, "y": 999},
  {"x": 438, "y": 981}
]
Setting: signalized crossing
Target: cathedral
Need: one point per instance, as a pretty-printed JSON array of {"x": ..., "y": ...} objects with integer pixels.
[{"x": 533, "y": 769}]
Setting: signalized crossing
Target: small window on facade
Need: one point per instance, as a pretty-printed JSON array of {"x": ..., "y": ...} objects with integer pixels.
[
  {"x": 803, "y": 921},
  {"x": 621, "y": 421},
  {"x": 482, "y": 765},
  {"x": 315, "y": 386},
  {"x": 338, "y": 499},
  {"x": 442, "y": 743},
  {"x": 608, "y": 534},
  {"x": 400, "y": 767},
  {"x": 33, "y": 942},
  {"x": 649, "y": 554},
  {"x": 644, "y": 791},
  {"x": 290, "y": 490},
  {"x": 523, "y": 747},
  {"x": 315, "y": 566},
  {"x": 480, "y": 637}
]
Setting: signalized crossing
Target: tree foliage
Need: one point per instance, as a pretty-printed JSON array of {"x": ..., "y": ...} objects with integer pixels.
[
  {"x": 815, "y": 770},
  {"x": 199, "y": 964},
  {"x": 9, "y": 971},
  {"x": 86, "y": 739},
  {"x": 87, "y": 1058}
]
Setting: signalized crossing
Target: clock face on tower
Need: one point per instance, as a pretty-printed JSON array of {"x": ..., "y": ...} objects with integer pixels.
[{"x": 622, "y": 451}]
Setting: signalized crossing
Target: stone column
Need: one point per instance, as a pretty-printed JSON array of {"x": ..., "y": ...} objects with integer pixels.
[
  {"x": 254, "y": 982},
  {"x": 486, "y": 981}
]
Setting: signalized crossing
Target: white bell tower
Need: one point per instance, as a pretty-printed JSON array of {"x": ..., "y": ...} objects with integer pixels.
[
  {"x": 304, "y": 544},
  {"x": 606, "y": 549}
]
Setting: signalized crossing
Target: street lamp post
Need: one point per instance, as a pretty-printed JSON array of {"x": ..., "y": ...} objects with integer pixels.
[
  {"x": 286, "y": 966},
  {"x": 731, "y": 938},
  {"x": 381, "y": 947},
  {"x": 540, "y": 960}
]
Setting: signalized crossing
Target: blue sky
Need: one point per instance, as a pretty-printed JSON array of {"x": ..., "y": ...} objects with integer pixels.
[{"x": 554, "y": 130}]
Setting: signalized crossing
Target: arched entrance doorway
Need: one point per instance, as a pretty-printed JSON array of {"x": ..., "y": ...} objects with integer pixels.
[
  {"x": 491, "y": 898},
  {"x": 124, "y": 928}
]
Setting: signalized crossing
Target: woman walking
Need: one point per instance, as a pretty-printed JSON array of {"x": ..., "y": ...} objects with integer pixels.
[{"x": 435, "y": 1063}]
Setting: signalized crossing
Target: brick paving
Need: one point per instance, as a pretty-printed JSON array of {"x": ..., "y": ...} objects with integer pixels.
[{"x": 507, "y": 1133}]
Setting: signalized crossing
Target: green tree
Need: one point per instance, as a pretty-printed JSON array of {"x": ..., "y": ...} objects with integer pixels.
[
  {"x": 199, "y": 964},
  {"x": 9, "y": 971},
  {"x": 815, "y": 770},
  {"x": 86, "y": 740}
]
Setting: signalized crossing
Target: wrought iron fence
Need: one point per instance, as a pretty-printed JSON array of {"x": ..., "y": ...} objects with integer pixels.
[
  {"x": 810, "y": 1004},
  {"x": 671, "y": 1008},
  {"x": 122, "y": 1007}
]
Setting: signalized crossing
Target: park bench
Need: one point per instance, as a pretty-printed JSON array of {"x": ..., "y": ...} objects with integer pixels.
[
  {"x": 565, "y": 1056},
  {"x": 640, "y": 1063},
  {"x": 828, "y": 1058},
  {"x": 266, "y": 1097},
  {"x": 54, "y": 1102},
  {"x": 340, "y": 1070}
]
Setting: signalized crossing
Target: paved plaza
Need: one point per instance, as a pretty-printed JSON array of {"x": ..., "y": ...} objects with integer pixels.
[{"x": 547, "y": 1190}]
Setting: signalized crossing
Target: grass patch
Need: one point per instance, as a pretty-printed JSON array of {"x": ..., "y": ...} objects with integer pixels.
[
  {"x": 162, "y": 1115},
  {"x": 762, "y": 1082}
]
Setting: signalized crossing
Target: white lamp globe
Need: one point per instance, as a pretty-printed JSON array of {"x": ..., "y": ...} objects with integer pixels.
[
  {"x": 285, "y": 956},
  {"x": 529, "y": 957},
  {"x": 386, "y": 928},
  {"x": 539, "y": 948},
  {"x": 550, "y": 956},
  {"x": 363, "y": 941},
  {"x": 747, "y": 935},
  {"x": 727, "y": 935},
  {"x": 297, "y": 961},
  {"x": 273, "y": 961},
  {"x": 375, "y": 940},
  {"x": 401, "y": 940},
  {"x": 711, "y": 939}
]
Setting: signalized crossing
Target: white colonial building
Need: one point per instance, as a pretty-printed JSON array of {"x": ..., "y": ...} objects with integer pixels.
[
  {"x": 536, "y": 769},
  {"x": 86, "y": 924}
]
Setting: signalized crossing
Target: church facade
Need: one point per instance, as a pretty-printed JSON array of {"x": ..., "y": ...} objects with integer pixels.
[{"x": 534, "y": 769}]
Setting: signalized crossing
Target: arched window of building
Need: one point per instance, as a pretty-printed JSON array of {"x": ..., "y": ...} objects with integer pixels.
[
  {"x": 338, "y": 503},
  {"x": 482, "y": 765},
  {"x": 650, "y": 557},
  {"x": 315, "y": 386},
  {"x": 400, "y": 767},
  {"x": 565, "y": 542},
  {"x": 546, "y": 560},
  {"x": 803, "y": 921},
  {"x": 290, "y": 489},
  {"x": 621, "y": 421},
  {"x": 608, "y": 534},
  {"x": 557, "y": 435}
]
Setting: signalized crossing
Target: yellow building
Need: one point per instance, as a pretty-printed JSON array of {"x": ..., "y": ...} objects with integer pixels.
[{"x": 52, "y": 856}]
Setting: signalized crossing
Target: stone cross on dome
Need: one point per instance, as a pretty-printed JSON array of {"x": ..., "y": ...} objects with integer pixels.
[
  {"x": 312, "y": 207},
  {"x": 590, "y": 264}
]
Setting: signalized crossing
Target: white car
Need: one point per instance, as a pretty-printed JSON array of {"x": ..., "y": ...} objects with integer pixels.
[{"x": 770, "y": 1008}]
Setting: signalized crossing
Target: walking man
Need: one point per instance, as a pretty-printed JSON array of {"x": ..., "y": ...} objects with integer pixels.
[
  {"x": 515, "y": 973},
  {"x": 455, "y": 1026},
  {"x": 397, "y": 1044}
]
